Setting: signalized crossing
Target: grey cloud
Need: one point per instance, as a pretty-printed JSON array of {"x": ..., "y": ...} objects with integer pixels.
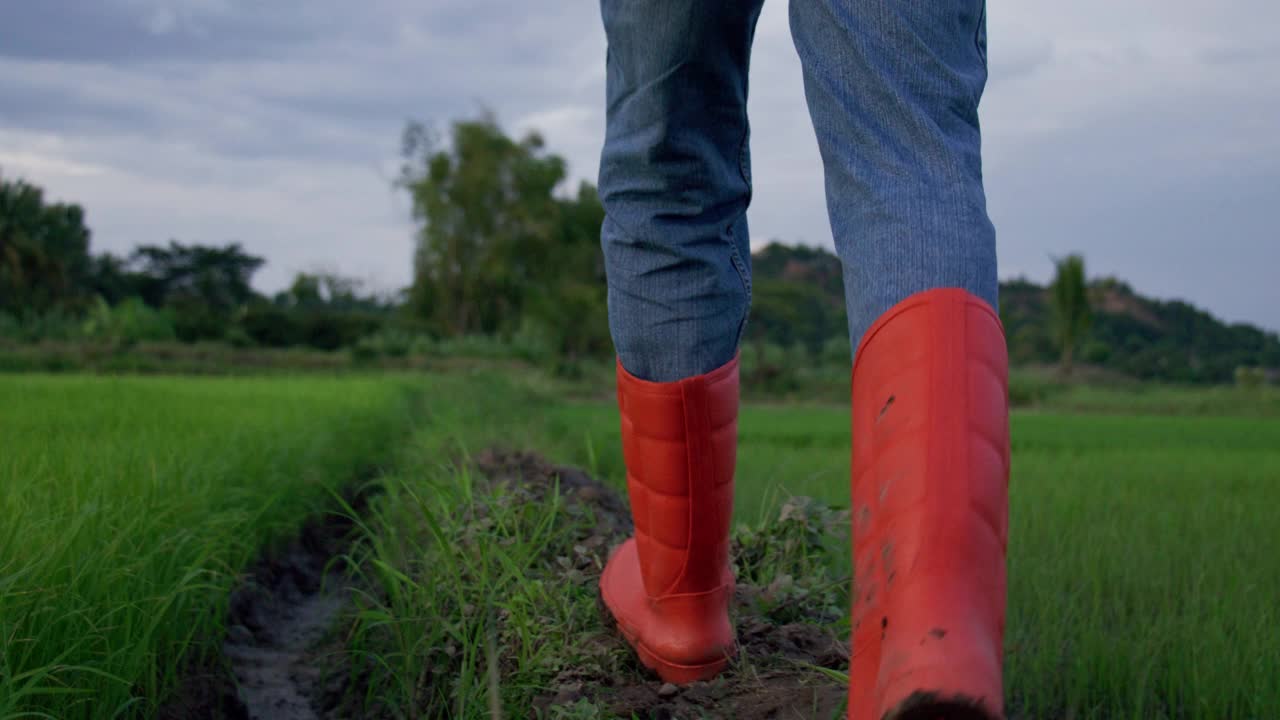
[
  {"x": 1236, "y": 55},
  {"x": 130, "y": 32},
  {"x": 1133, "y": 139},
  {"x": 347, "y": 73},
  {"x": 1159, "y": 196},
  {"x": 1019, "y": 59}
]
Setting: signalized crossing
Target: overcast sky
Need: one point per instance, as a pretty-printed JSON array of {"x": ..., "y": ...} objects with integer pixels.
[{"x": 1144, "y": 134}]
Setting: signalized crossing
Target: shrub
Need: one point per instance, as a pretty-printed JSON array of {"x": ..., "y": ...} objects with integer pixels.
[
  {"x": 773, "y": 368},
  {"x": 194, "y": 321},
  {"x": 365, "y": 350},
  {"x": 1029, "y": 389},
  {"x": 10, "y": 328},
  {"x": 835, "y": 351},
  {"x": 270, "y": 325},
  {"x": 333, "y": 329},
  {"x": 1095, "y": 352},
  {"x": 33, "y": 327},
  {"x": 388, "y": 342},
  {"x": 1250, "y": 377},
  {"x": 128, "y": 323}
]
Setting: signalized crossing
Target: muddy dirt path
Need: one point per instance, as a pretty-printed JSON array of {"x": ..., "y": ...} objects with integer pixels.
[
  {"x": 285, "y": 604},
  {"x": 273, "y": 669}
]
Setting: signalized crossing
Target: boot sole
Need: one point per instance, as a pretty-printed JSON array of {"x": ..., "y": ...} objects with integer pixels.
[
  {"x": 942, "y": 691},
  {"x": 671, "y": 672},
  {"x": 924, "y": 705}
]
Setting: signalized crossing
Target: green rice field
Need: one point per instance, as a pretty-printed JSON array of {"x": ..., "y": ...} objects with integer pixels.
[
  {"x": 1144, "y": 555},
  {"x": 128, "y": 506}
]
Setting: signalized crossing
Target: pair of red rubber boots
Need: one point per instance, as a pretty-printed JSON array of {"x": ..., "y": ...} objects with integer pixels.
[{"x": 929, "y": 512}]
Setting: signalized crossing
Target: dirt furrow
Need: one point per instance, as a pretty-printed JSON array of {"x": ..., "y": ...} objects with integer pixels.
[
  {"x": 277, "y": 615},
  {"x": 275, "y": 674}
]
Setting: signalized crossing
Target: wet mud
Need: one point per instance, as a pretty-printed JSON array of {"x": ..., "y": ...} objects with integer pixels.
[{"x": 277, "y": 617}]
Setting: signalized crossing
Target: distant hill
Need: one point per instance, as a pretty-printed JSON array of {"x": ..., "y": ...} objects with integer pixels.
[{"x": 798, "y": 299}]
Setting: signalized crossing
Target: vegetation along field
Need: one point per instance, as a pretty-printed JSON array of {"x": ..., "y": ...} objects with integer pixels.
[
  {"x": 1142, "y": 572},
  {"x": 129, "y": 506},
  {"x": 1142, "y": 558}
]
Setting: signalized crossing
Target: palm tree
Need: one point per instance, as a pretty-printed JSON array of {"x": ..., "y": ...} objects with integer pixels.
[{"x": 1069, "y": 299}]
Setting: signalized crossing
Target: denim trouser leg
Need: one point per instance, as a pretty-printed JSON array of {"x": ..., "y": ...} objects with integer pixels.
[
  {"x": 893, "y": 89},
  {"x": 675, "y": 182}
]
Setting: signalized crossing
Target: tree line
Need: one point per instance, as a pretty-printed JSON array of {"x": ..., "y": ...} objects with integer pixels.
[
  {"x": 53, "y": 287},
  {"x": 499, "y": 253},
  {"x": 504, "y": 252}
]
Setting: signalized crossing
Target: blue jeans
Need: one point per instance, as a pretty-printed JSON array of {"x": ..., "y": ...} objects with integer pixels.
[{"x": 893, "y": 89}]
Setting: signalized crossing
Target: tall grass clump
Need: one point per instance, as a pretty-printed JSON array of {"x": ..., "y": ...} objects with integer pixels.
[
  {"x": 458, "y": 566},
  {"x": 130, "y": 505}
]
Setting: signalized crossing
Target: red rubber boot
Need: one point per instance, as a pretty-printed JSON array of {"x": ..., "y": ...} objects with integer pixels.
[
  {"x": 930, "y": 511},
  {"x": 669, "y": 587}
]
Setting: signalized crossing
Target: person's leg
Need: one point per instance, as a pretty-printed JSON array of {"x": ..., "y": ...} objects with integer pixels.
[
  {"x": 675, "y": 184},
  {"x": 893, "y": 89}
]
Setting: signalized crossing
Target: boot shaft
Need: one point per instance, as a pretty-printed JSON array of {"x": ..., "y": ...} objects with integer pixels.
[
  {"x": 679, "y": 441},
  {"x": 930, "y": 474},
  {"x": 930, "y": 413}
]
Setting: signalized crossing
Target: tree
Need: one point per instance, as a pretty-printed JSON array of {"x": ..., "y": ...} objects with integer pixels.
[
  {"x": 487, "y": 223},
  {"x": 1070, "y": 311},
  {"x": 328, "y": 290},
  {"x": 111, "y": 279},
  {"x": 44, "y": 251},
  {"x": 321, "y": 310},
  {"x": 567, "y": 296},
  {"x": 797, "y": 297},
  {"x": 203, "y": 285}
]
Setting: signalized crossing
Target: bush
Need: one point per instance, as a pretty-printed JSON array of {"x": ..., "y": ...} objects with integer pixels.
[
  {"x": 236, "y": 337},
  {"x": 334, "y": 329},
  {"x": 193, "y": 324},
  {"x": 128, "y": 323},
  {"x": 773, "y": 368},
  {"x": 836, "y": 351},
  {"x": 540, "y": 342},
  {"x": 422, "y": 346},
  {"x": 485, "y": 347},
  {"x": 1029, "y": 389},
  {"x": 270, "y": 326},
  {"x": 365, "y": 350},
  {"x": 10, "y": 328},
  {"x": 32, "y": 327},
  {"x": 1095, "y": 352},
  {"x": 1250, "y": 377},
  {"x": 388, "y": 342},
  {"x": 395, "y": 343}
]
